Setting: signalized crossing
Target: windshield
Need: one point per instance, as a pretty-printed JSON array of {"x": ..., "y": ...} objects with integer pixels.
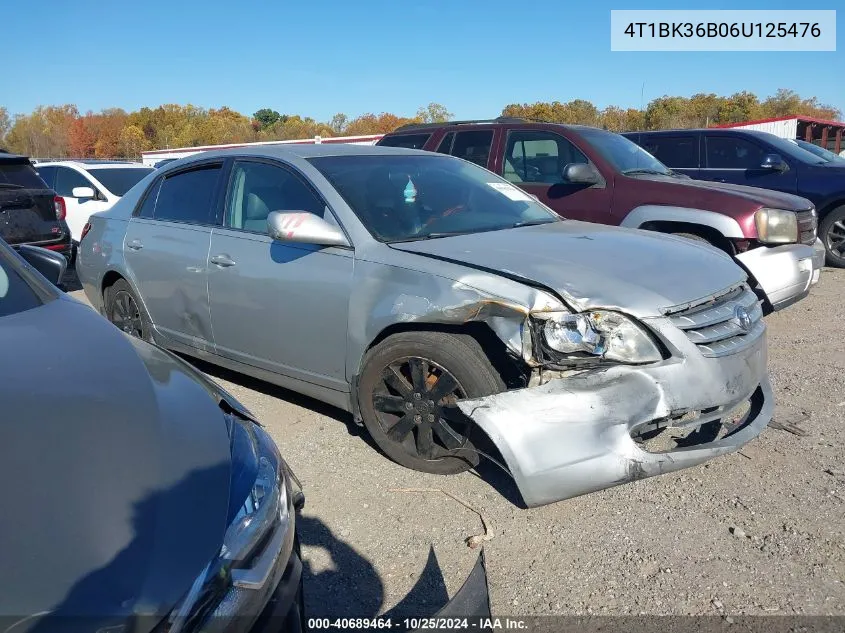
[
  {"x": 785, "y": 146},
  {"x": 821, "y": 152},
  {"x": 626, "y": 156},
  {"x": 406, "y": 198},
  {"x": 119, "y": 181},
  {"x": 15, "y": 294}
]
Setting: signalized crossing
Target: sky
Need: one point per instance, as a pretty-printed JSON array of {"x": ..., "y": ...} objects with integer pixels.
[{"x": 319, "y": 57}]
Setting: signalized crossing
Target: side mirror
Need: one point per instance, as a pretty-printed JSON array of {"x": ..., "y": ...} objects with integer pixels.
[
  {"x": 774, "y": 161},
  {"x": 581, "y": 173},
  {"x": 83, "y": 192},
  {"x": 51, "y": 265},
  {"x": 304, "y": 228}
]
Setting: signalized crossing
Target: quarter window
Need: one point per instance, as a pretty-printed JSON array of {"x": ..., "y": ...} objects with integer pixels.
[
  {"x": 674, "y": 151},
  {"x": 188, "y": 196},
  {"x": 473, "y": 146},
  {"x": 409, "y": 141},
  {"x": 257, "y": 189},
  {"x": 147, "y": 209},
  {"x": 724, "y": 152},
  {"x": 539, "y": 157}
]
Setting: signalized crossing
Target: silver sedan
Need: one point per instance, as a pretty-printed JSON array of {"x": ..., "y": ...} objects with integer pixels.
[{"x": 444, "y": 308}]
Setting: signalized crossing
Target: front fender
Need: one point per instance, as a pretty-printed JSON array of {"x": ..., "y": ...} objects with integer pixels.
[{"x": 724, "y": 224}]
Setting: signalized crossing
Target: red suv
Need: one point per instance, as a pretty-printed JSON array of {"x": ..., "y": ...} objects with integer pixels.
[{"x": 585, "y": 173}]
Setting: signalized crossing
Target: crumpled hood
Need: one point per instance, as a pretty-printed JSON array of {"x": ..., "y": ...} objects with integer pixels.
[
  {"x": 765, "y": 197},
  {"x": 115, "y": 473},
  {"x": 595, "y": 266}
]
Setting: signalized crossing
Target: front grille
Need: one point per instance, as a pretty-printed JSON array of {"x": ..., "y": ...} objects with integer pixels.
[
  {"x": 807, "y": 225},
  {"x": 715, "y": 327}
]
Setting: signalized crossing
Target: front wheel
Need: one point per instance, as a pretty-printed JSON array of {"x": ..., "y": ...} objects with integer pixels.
[
  {"x": 832, "y": 234},
  {"x": 408, "y": 386}
]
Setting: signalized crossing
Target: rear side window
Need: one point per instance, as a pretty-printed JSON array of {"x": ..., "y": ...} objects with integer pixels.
[
  {"x": 673, "y": 151},
  {"x": 147, "y": 208},
  {"x": 473, "y": 146},
  {"x": 48, "y": 175},
  {"x": 726, "y": 152},
  {"x": 187, "y": 196},
  {"x": 445, "y": 146},
  {"x": 20, "y": 175},
  {"x": 410, "y": 141}
]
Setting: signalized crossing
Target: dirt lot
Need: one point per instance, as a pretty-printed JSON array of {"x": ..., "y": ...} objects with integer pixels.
[{"x": 761, "y": 532}]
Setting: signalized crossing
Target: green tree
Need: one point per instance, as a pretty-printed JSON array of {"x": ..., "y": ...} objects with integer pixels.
[{"x": 266, "y": 117}]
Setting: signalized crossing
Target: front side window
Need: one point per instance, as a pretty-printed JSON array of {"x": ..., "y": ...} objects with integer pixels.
[
  {"x": 410, "y": 141},
  {"x": 67, "y": 179},
  {"x": 674, "y": 151},
  {"x": 257, "y": 189},
  {"x": 188, "y": 196},
  {"x": 473, "y": 146},
  {"x": 726, "y": 152},
  {"x": 120, "y": 180},
  {"x": 406, "y": 198},
  {"x": 625, "y": 155},
  {"x": 539, "y": 157}
]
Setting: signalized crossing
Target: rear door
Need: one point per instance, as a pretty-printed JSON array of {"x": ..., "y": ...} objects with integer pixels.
[
  {"x": 166, "y": 251},
  {"x": 534, "y": 160},
  {"x": 279, "y": 306},
  {"x": 473, "y": 145},
  {"x": 27, "y": 210},
  {"x": 78, "y": 209},
  {"x": 737, "y": 160},
  {"x": 678, "y": 152}
]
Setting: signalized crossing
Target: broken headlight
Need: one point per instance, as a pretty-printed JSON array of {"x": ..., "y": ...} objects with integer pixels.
[{"x": 599, "y": 333}]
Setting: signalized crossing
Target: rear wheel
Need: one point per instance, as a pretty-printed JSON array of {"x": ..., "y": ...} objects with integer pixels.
[
  {"x": 408, "y": 386},
  {"x": 832, "y": 234},
  {"x": 125, "y": 311}
]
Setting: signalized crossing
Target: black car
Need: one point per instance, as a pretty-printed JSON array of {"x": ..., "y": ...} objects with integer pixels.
[
  {"x": 138, "y": 495},
  {"x": 31, "y": 212},
  {"x": 759, "y": 159}
]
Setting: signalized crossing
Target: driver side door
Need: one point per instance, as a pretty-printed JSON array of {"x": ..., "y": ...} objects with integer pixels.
[
  {"x": 280, "y": 307},
  {"x": 534, "y": 160}
]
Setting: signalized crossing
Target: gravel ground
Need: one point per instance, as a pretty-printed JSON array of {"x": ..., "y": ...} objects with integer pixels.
[{"x": 761, "y": 532}]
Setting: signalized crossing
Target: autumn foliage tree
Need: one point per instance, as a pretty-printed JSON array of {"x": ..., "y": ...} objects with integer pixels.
[{"x": 62, "y": 132}]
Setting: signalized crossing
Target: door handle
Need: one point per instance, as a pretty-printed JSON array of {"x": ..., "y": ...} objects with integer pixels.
[
  {"x": 222, "y": 260},
  {"x": 135, "y": 245}
]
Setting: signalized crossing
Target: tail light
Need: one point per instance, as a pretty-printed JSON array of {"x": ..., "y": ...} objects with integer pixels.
[
  {"x": 61, "y": 209},
  {"x": 85, "y": 230}
]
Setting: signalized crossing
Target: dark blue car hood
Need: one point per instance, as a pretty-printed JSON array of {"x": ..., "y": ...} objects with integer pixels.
[{"x": 114, "y": 477}]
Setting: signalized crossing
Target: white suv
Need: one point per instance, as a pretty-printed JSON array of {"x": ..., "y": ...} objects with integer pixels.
[{"x": 89, "y": 186}]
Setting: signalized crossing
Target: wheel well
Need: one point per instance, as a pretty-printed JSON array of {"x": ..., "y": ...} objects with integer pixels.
[
  {"x": 707, "y": 232},
  {"x": 830, "y": 207},
  {"x": 109, "y": 279},
  {"x": 513, "y": 372}
]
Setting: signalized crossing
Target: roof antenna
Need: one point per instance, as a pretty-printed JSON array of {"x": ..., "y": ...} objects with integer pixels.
[{"x": 642, "y": 106}]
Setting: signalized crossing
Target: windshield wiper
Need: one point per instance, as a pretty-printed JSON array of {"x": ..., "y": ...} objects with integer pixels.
[
  {"x": 653, "y": 172},
  {"x": 517, "y": 225},
  {"x": 9, "y": 185},
  {"x": 429, "y": 236}
]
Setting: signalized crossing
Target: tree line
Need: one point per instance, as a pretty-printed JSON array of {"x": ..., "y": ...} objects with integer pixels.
[{"x": 63, "y": 132}]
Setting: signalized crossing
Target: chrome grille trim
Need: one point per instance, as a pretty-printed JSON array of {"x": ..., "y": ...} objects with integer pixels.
[{"x": 713, "y": 326}]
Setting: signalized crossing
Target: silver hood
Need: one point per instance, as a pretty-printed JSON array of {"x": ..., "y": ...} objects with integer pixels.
[{"x": 595, "y": 266}]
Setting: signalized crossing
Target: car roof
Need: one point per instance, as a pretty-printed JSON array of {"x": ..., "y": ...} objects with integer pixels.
[
  {"x": 92, "y": 164},
  {"x": 676, "y": 131},
  {"x": 512, "y": 122},
  {"x": 4, "y": 155},
  {"x": 305, "y": 151}
]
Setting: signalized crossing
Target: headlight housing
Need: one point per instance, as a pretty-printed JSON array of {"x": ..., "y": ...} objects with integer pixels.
[
  {"x": 776, "y": 226},
  {"x": 260, "y": 503},
  {"x": 598, "y": 333}
]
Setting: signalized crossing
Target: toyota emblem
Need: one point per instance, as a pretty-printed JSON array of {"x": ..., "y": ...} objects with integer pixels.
[{"x": 742, "y": 318}]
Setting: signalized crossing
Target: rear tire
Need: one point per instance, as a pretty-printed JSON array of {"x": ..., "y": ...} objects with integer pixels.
[
  {"x": 408, "y": 384},
  {"x": 832, "y": 234},
  {"x": 125, "y": 311}
]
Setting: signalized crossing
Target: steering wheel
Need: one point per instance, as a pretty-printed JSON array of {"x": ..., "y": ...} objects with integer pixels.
[{"x": 450, "y": 211}]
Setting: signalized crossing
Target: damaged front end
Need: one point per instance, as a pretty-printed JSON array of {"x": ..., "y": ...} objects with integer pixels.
[{"x": 611, "y": 399}]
